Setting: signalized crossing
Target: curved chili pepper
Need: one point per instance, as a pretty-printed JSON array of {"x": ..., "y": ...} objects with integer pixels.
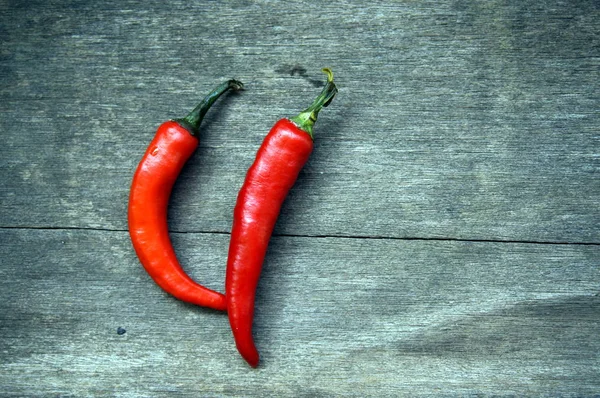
[
  {"x": 281, "y": 156},
  {"x": 175, "y": 141}
]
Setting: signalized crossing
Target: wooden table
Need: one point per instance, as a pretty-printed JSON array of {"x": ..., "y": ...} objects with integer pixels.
[{"x": 443, "y": 239}]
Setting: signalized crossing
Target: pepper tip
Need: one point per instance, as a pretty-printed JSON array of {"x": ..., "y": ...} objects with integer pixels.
[{"x": 252, "y": 358}]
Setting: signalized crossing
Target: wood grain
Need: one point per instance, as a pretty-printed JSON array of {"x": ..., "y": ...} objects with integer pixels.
[{"x": 442, "y": 240}]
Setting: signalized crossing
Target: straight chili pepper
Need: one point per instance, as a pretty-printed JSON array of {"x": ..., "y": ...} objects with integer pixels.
[
  {"x": 175, "y": 141},
  {"x": 280, "y": 158}
]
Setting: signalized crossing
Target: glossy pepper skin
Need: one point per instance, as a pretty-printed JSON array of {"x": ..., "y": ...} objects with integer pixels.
[
  {"x": 282, "y": 155},
  {"x": 175, "y": 141}
]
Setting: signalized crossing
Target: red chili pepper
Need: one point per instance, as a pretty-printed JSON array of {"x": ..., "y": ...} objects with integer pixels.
[
  {"x": 278, "y": 162},
  {"x": 175, "y": 141}
]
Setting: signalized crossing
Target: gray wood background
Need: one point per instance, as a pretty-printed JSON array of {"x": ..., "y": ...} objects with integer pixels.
[{"x": 442, "y": 240}]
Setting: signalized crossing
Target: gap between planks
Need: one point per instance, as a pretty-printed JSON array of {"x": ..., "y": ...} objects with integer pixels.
[{"x": 326, "y": 236}]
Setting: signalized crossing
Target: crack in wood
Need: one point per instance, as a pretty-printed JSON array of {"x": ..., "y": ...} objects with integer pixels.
[{"x": 327, "y": 236}]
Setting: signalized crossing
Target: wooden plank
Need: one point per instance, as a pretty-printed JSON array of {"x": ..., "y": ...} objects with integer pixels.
[
  {"x": 335, "y": 317},
  {"x": 454, "y": 120}
]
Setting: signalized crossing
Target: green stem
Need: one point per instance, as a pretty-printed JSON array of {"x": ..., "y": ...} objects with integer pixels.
[
  {"x": 193, "y": 120},
  {"x": 307, "y": 118}
]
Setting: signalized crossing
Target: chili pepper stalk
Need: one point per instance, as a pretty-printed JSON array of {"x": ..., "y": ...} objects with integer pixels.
[
  {"x": 306, "y": 119},
  {"x": 193, "y": 119}
]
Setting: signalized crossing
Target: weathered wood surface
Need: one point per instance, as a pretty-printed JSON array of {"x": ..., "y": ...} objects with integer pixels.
[{"x": 442, "y": 240}]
